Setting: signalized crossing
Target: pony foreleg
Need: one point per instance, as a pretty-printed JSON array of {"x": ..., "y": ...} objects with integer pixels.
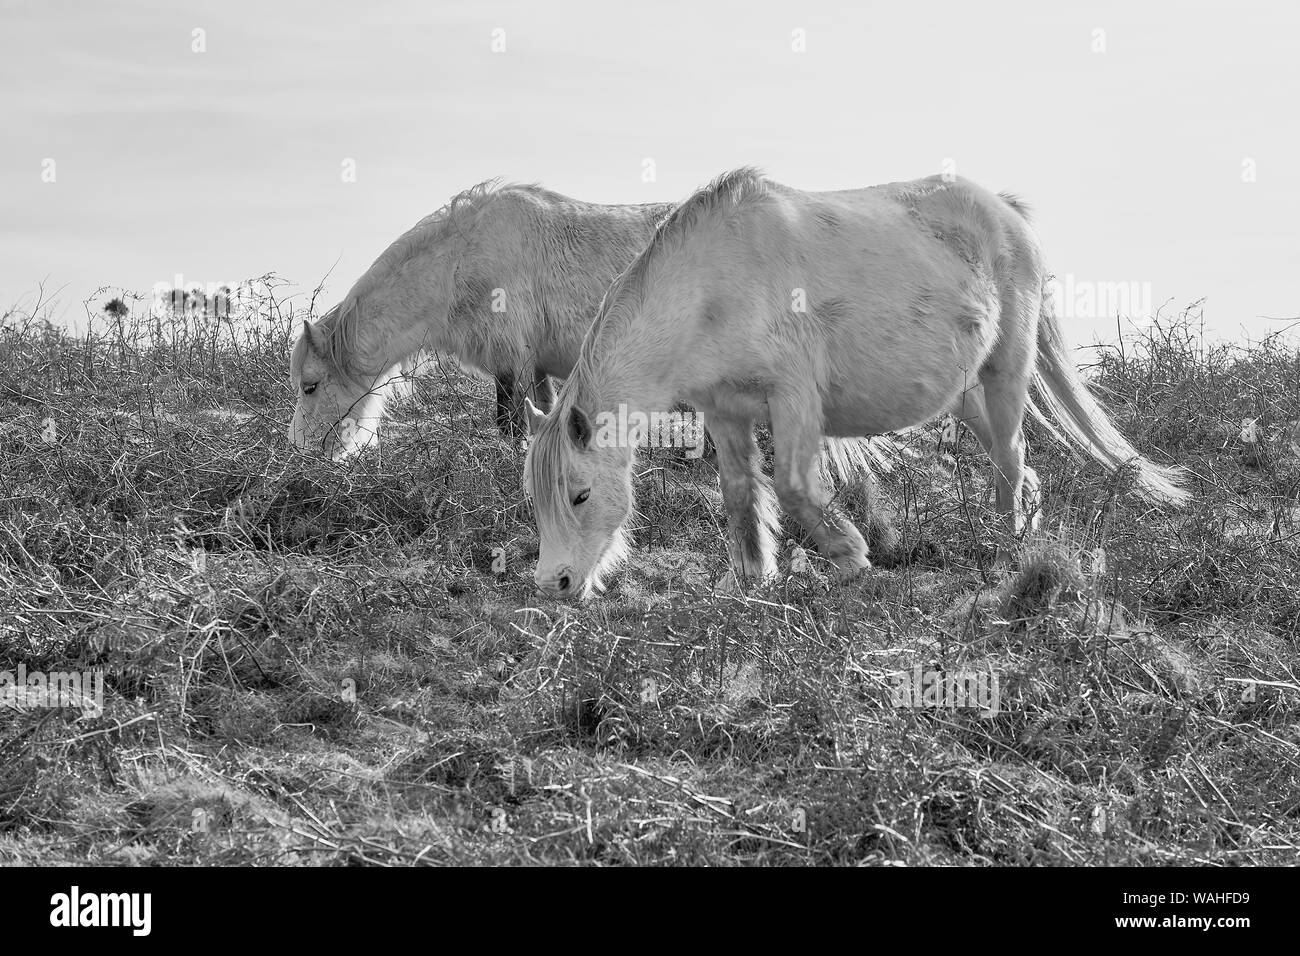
[
  {"x": 797, "y": 440},
  {"x": 509, "y": 413},
  {"x": 510, "y": 400},
  {"x": 511, "y": 390},
  {"x": 751, "y": 506}
]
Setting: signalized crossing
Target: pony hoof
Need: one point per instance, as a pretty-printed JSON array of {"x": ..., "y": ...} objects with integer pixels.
[
  {"x": 851, "y": 572},
  {"x": 728, "y": 585}
]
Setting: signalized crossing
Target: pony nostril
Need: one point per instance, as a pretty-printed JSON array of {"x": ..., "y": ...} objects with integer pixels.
[{"x": 564, "y": 582}]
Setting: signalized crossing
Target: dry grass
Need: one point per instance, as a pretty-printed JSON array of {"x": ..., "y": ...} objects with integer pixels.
[{"x": 318, "y": 665}]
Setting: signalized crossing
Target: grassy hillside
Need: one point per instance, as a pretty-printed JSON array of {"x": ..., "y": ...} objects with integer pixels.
[{"x": 316, "y": 664}]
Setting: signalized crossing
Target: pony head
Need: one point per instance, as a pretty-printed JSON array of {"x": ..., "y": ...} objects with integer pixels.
[
  {"x": 581, "y": 489},
  {"x": 337, "y": 411}
]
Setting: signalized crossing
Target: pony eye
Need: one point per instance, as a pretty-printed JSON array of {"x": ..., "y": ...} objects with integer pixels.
[
  {"x": 308, "y": 389},
  {"x": 582, "y": 496}
]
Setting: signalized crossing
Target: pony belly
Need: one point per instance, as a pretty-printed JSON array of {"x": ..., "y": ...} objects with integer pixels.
[
  {"x": 840, "y": 421},
  {"x": 883, "y": 400},
  {"x": 908, "y": 369},
  {"x": 864, "y": 420}
]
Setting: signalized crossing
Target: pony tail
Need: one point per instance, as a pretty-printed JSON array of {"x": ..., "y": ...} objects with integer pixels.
[{"x": 1083, "y": 424}]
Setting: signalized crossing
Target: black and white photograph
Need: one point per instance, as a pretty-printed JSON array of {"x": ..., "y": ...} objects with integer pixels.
[{"x": 489, "y": 434}]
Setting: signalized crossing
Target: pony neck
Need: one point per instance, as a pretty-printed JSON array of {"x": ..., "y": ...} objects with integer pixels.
[
  {"x": 370, "y": 348},
  {"x": 403, "y": 300},
  {"x": 627, "y": 379}
]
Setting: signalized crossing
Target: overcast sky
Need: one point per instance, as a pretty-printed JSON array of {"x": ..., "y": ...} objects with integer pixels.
[{"x": 1157, "y": 142}]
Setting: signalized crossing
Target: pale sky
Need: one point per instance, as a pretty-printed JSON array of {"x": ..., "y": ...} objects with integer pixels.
[{"x": 1136, "y": 145}]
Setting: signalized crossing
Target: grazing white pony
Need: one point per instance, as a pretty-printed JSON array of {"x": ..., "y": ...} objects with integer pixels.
[
  {"x": 506, "y": 279},
  {"x": 837, "y": 313}
]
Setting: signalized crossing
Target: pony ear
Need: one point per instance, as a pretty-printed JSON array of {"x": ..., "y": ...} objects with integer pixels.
[
  {"x": 579, "y": 427},
  {"x": 306, "y": 336},
  {"x": 535, "y": 415}
]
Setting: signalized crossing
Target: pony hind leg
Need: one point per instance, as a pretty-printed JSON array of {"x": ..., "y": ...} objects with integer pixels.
[
  {"x": 796, "y": 436},
  {"x": 750, "y": 504},
  {"x": 995, "y": 412}
]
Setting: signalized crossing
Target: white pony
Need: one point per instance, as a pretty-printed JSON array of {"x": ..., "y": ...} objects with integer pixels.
[
  {"x": 838, "y": 313},
  {"x": 506, "y": 279}
]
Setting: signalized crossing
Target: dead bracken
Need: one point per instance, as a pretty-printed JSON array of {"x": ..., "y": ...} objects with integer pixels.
[{"x": 320, "y": 663}]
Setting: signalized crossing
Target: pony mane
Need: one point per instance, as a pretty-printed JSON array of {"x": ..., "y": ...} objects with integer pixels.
[
  {"x": 336, "y": 335},
  {"x": 724, "y": 197},
  {"x": 547, "y": 455},
  {"x": 1016, "y": 203}
]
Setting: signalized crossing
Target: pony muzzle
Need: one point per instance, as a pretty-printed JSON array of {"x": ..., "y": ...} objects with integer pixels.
[{"x": 562, "y": 583}]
